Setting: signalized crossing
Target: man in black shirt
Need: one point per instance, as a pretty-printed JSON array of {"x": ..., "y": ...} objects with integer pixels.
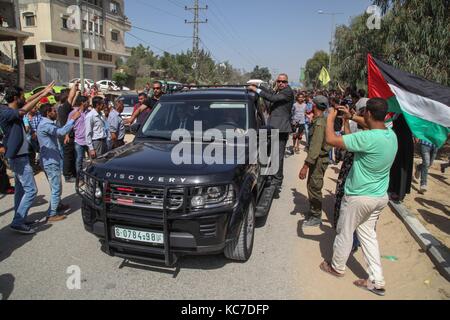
[{"x": 67, "y": 143}]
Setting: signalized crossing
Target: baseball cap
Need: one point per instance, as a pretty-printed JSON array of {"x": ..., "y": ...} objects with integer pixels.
[{"x": 321, "y": 102}]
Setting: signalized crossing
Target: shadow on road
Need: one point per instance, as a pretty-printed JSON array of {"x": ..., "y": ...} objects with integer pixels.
[
  {"x": 6, "y": 285},
  {"x": 74, "y": 202},
  {"x": 440, "y": 222},
  {"x": 430, "y": 203},
  {"x": 11, "y": 241},
  {"x": 189, "y": 262},
  {"x": 439, "y": 178},
  {"x": 39, "y": 201},
  {"x": 325, "y": 239}
]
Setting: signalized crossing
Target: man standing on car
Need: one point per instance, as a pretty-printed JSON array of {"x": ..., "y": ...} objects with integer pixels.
[
  {"x": 317, "y": 162},
  {"x": 282, "y": 100}
]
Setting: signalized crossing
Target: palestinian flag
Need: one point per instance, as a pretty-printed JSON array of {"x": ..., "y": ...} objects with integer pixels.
[{"x": 424, "y": 104}]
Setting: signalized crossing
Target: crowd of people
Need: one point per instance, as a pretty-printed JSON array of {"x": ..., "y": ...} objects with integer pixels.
[
  {"x": 345, "y": 126},
  {"x": 338, "y": 126},
  {"x": 38, "y": 135}
]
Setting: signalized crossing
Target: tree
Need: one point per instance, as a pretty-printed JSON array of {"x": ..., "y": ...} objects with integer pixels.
[
  {"x": 120, "y": 78},
  {"x": 414, "y": 37},
  {"x": 314, "y": 66},
  {"x": 261, "y": 74}
]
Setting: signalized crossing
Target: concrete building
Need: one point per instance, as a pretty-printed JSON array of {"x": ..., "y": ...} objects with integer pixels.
[
  {"x": 11, "y": 44},
  {"x": 53, "y": 52}
]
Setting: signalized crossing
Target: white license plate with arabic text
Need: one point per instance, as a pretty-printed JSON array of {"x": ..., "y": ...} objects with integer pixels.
[{"x": 140, "y": 236}]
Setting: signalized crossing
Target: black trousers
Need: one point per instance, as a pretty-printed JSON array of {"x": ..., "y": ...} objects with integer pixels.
[
  {"x": 69, "y": 165},
  {"x": 279, "y": 177},
  {"x": 4, "y": 179}
]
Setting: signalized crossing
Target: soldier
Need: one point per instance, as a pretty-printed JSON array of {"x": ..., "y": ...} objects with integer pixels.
[{"x": 317, "y": 162}]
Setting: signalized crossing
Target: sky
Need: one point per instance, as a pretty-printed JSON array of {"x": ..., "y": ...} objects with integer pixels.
[{"x": 281, "y": 35}]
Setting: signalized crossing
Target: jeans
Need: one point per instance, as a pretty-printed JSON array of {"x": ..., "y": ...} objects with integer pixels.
[
  {"x": 53, "y": 172},
  {"x": 428, "y": 156},
  {"x": 80, "y": 152},
  {"x": 26, "y": 189},
  {"x": 307, "y": 132}
]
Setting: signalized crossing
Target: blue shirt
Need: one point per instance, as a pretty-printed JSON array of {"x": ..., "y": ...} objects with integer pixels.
[
  {"x": 48, "y": 134},
  {"x": 13, "y": 129},
  {"x": 116, "y": 124}
]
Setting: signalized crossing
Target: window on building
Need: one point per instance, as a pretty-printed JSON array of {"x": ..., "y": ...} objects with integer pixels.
[
  {"x": 84, "y": 25},
  {"x": 115, "y": 35},
  {"x": 29, "y": 52},
  {"x": 56, "y": 50},
  {"x": 114, "y": 7},
  {"x": 30, "y": 19},
  {"x": 86, "y": 54},
  {"x": 105, "y": 57},
  {"x": 64, "y": 23},
  {"x": 98, "y": 3}
]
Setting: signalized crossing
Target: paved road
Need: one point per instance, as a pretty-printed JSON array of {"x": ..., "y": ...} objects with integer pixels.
[{"x": 284, "y": 264}]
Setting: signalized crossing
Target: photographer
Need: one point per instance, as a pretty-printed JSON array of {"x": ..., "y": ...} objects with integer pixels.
[{"x": 365, "y": 192}]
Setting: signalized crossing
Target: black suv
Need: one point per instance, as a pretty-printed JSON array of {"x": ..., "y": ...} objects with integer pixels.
[{"x": 143, "y": 205}]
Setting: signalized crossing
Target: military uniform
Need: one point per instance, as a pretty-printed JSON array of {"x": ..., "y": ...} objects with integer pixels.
[{"x": 318, "y": 161}]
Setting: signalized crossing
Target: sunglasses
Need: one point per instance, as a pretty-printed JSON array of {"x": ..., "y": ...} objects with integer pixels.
[
  {"x": 158, "y": 88},
  {"x": 282, "y": 81}
]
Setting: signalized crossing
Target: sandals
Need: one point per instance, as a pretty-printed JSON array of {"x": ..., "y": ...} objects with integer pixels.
[
  {"x": 327, "y": 268},
  {"x": 369, "y": 286}
]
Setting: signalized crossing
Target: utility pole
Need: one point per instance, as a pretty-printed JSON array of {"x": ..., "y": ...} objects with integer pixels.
[
  {"x": 196, "y": 37},
  {"x": 81, "y": 48}
]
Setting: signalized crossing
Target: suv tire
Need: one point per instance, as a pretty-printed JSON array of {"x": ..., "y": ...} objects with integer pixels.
[{"x": 240, "y": 249}]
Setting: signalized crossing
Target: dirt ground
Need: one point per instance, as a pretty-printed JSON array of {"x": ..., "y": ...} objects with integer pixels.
[{"x": 433, "y": 208}]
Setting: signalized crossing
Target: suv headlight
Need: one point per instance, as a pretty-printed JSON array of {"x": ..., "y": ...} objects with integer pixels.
[{"x": 212, "y": 196}]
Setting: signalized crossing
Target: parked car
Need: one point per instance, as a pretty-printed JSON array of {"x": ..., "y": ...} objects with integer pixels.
[
  {"x": 144, "y": 206},
  {"x": 130, "y": 100},
  {"x": 108, "y": 85},
  {"x": 88, "y": 83},
  {"x": 51, "y": 98}
]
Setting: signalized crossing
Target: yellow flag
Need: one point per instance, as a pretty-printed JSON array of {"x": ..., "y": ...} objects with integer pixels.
[{"x": 324, "y": 76}]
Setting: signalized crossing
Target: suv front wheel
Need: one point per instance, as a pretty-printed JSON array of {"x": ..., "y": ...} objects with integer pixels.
[{"x": 240, "y": 249}]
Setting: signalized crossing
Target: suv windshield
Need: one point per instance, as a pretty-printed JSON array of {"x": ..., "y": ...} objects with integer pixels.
[{"x": 221, "y": 115}]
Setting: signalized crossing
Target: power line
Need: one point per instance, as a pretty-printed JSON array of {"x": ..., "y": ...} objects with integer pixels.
[
  {"x": 209, "y": 50},
  {"x": 146, "y": 42},
  {"x": 230, "y": 29},
  {"x": 218, "y": 31},
  {"x": 162, "y": 33},
  {"x": 175, "y": 3}
]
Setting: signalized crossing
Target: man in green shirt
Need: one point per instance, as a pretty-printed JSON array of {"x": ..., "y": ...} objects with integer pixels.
[
  {"x": 317, "y": 162},
  {"x": 365, "y": 192}
]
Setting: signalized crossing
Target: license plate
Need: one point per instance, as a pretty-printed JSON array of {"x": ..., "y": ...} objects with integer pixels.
[{"x": 140, "y": 236}]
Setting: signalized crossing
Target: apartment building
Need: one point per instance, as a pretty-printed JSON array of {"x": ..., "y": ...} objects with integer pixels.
[
  {"x": 11, "y": 43},
  {"x": 53, "y": 52}
]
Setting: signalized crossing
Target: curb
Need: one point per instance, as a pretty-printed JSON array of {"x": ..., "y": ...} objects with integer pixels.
[{"x": 439, "y": 254}]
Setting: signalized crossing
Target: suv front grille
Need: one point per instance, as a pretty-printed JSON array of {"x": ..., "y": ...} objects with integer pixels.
[{"x": 147, "y": 198}]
